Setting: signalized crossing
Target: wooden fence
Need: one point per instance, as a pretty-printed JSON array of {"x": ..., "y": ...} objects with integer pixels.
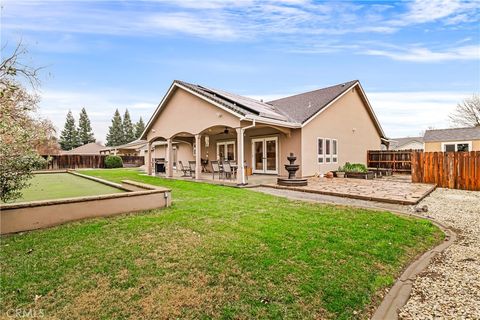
[
  {"x": 71, "y": 161},
  {"x": 399, "y": 161},
  {"x": 454, "y": 170}
]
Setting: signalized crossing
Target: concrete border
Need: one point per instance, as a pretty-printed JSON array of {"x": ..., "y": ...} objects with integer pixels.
[
  {"x": 352, "y": 196},
  {"x": 25, "y": 216},
  {"x": 399, "y": 293}
]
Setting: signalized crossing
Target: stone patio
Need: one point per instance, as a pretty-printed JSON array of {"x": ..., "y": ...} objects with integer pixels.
[{"x": 389, "y": 190}]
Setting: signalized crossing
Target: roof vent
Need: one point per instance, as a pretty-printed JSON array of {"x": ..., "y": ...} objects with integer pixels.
[
  {"x": 343, "y": 85},
  {"x": 261, "y": 100},
  {"x": 309, "y": 104}
]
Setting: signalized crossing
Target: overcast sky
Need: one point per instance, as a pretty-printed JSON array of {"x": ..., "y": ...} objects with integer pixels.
[{"x": 415, "y": 59}]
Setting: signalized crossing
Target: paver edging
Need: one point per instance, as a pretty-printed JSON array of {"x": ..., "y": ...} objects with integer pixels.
[{"x": 399, "y": 293}]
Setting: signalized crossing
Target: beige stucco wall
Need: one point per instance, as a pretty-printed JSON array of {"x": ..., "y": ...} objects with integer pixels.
[
  {"x": 185, "y": 112},
  {"x": 348, "y": 121},
  {"x": 437, "y": 146}
]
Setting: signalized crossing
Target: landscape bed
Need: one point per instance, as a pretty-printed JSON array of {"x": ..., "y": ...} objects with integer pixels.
[
  {"x": 217, "y": 252},
  {"x": 61, "y": 196}
]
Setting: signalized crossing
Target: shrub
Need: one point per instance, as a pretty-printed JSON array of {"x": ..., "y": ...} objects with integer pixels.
[
  {"x": 113, "y": 162},
  {"x": 354, "y": 167}
]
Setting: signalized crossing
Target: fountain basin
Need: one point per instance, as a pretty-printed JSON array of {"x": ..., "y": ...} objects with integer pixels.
[{"x": 295, "y": 182}]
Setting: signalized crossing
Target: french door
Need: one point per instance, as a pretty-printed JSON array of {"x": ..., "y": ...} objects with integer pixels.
[
  {"x": 226, "y": 150},
  {"x": 265, "y": 155}
]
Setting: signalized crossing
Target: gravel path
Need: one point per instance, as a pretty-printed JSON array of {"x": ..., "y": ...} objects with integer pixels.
[{"x": 450, "y": 286}]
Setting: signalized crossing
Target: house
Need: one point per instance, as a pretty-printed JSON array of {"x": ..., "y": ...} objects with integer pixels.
[
  {"x": 406, "y": 143},
  {"x": 134, "y": 148},
  {"x": 454, "y": 139},
  {"x": 324, "y": 128},
  {"x": 92, "y": 148}
]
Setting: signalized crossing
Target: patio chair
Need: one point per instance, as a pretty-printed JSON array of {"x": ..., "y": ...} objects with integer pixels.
[
  {"x": 192, "y": 165},
  {"x": 227, "y": 170},
  {"x": 186, "y": 171},
  {"x": 216, "y": 169}
]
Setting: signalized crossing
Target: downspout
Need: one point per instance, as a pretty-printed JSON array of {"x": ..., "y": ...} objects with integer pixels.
[{"x": 242, "y": 131}]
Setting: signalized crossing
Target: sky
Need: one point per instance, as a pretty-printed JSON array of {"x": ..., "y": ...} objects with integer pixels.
[{"x": 415, "y": 59}]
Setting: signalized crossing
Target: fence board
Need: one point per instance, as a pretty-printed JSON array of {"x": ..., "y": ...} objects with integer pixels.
[
  {"x": 71, "y": 161},
  {"x": 454, "y": 170},
  {"x": 397, "y": 160}
]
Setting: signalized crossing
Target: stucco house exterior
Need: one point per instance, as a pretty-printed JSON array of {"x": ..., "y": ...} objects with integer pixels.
[
  {"x": 454, "y": 139},
  {"x": 135, "y": 148},
  {"x": 324, "y": 128}
]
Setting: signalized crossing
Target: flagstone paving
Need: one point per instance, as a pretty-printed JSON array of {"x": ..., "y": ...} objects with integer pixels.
[{"x": 388, "y": 190}]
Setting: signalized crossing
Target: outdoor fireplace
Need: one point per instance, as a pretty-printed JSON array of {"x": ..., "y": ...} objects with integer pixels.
[{"x": 292, "y": 169}]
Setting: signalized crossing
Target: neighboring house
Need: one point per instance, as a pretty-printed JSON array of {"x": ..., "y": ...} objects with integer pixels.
[
  {"x": 92, "y": 148},
  {"x": 455, "y": 139},
  {"x": 134, "y": 148},
  {"x": 324, "y": 128},
  {"x": 407, "y": 143}
]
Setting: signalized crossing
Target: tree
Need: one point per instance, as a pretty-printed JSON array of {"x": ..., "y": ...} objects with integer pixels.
[
  {"x": 115, "y": 136},
  {"x": 467, "y": 113},
  {"x": 69, "y": 136},
  {"x": 21, "y": 128},
  {"x": 85, "y": 133},
  {"x": 128, "y": 130},
  {"x": 139, "y": 128}
]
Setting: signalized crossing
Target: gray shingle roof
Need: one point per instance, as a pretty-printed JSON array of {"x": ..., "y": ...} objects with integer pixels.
[
  {"x": 454, "y": 134},
  {"x": 89, "y": 148},
  {"x": 297, "y": 108},
  {"x": 237, "y": 103},
  {"x": 302, "y": 107},
  {"x": 398, "y": 142}
]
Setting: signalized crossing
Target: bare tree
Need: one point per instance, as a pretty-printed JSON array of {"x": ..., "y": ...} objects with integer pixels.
[
  {"x": 467, "y": 113},
  {"x": 21, "y": 129}
]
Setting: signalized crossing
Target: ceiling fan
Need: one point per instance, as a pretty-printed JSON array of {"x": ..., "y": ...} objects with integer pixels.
[{"x": 225, "y": 131}]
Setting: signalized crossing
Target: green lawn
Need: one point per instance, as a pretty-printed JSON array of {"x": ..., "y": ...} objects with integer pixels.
[
  {"x": 62, "y": 185},
  {"x": 218, "y": 252}
]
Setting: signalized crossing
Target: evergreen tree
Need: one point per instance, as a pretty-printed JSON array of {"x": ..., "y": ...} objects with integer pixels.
[
  {"x": 69, "y": 136},
  {"x": 85, "y": 133},
  {"x": 115, "y": 136},
  {"x": 128, "y": 130},
  {"x": 139, "y": 127}
]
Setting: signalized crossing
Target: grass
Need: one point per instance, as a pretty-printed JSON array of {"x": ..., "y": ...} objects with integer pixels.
[
  {"x": 62, "y": 185},
  {"x": 218, "y": 252}
]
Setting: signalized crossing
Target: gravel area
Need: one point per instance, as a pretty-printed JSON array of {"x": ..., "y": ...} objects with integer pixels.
[{"x": 450, "y": 286}]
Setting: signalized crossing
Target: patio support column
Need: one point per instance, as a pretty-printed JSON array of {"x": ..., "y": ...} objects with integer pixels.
[
  {"x": 169, "y": 168},
  {"x": 241, "y": 157},
  {"x": 149, "y": 158},
  {"x": 198, "y": 156}
]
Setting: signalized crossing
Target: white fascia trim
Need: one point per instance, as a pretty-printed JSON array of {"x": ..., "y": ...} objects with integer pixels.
[
  {"x": 340, "y": 96},
  {"x": 272, "y": 121},
  {"x": 174, "y": 84}
]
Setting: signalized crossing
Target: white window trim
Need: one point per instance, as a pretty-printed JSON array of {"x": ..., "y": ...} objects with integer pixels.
[
  {"x": 324, "y": 156},
  {"x": 457, "y": 143},
  {"x": 226, "y": 142}
]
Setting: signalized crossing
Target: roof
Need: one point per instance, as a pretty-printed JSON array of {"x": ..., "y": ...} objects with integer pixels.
[
  {"x": 135, "y": 144},
  {"x": 453, "y": 134},
  {"x": 89, "y": 148},
  {"x": 302, "y": 107},
  {"x": 293, "y": 111},
  {"x": 237, "y": 103},
  {"x": 399, "y": 142}
]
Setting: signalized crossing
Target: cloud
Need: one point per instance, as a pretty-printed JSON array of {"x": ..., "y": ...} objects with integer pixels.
[
  {"x": 420, "y": 54},
  {"x": 100, "y": 107}
]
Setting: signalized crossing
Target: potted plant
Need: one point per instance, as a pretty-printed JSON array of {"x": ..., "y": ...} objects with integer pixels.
[
  {"x": 340, "y": 172},
  {"x": 358, "y": 171}
]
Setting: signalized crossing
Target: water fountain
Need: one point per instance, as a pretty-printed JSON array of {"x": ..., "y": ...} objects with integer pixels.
[{"x": 291, "y": 181}]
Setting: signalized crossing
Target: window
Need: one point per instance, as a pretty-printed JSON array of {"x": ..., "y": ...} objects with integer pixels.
[
  {"x": 460, "y": 146},
  {"x": 327, "y": 150}
]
